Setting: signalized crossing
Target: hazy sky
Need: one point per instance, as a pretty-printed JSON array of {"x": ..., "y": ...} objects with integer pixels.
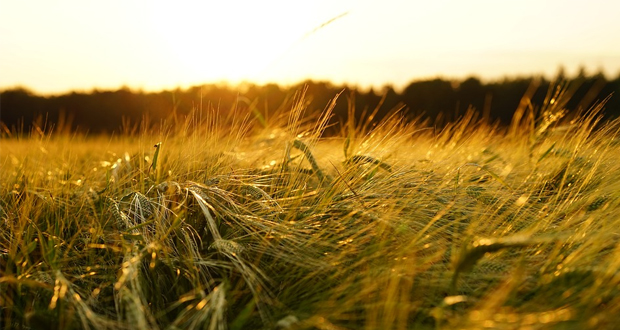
[{"x": 53, "y": 46}]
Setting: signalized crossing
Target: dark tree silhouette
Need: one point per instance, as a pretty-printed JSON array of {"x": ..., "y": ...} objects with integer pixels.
[{"x": 438, "y": 100}]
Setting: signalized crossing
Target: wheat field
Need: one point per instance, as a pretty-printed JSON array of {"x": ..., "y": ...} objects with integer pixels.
[{"x": 246, "y": 221}]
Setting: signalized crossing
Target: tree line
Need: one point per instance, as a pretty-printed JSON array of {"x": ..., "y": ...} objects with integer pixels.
[{"x": 439, "y": 101}]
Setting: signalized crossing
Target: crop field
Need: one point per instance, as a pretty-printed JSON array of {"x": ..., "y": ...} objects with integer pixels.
[{"x": 242, "y": 220}]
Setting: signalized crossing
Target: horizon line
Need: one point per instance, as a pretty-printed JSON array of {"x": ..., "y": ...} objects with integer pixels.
[{"x": 561, "y": 71}]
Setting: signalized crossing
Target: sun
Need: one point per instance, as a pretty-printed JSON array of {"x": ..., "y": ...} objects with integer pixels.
[{"x": 224, "y": 40}]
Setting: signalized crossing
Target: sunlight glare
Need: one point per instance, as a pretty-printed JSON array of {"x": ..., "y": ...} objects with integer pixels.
[{"x": 223, "y": 41}]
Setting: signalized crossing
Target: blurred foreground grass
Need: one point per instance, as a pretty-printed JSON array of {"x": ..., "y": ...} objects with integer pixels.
[{"x": 249, "y": 222}]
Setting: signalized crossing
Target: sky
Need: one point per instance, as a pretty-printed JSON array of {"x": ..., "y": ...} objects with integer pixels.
[{"x": 56, "y": 46}]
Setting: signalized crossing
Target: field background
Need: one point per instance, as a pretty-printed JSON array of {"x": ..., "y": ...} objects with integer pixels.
[{"x": 237, "y": 220}]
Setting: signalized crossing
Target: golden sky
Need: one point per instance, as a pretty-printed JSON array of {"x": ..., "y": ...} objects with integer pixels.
[{"x": 53, "y": 46}]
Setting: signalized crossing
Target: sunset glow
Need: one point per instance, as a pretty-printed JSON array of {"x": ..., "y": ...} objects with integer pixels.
[{"x": 53, "y": 47}]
